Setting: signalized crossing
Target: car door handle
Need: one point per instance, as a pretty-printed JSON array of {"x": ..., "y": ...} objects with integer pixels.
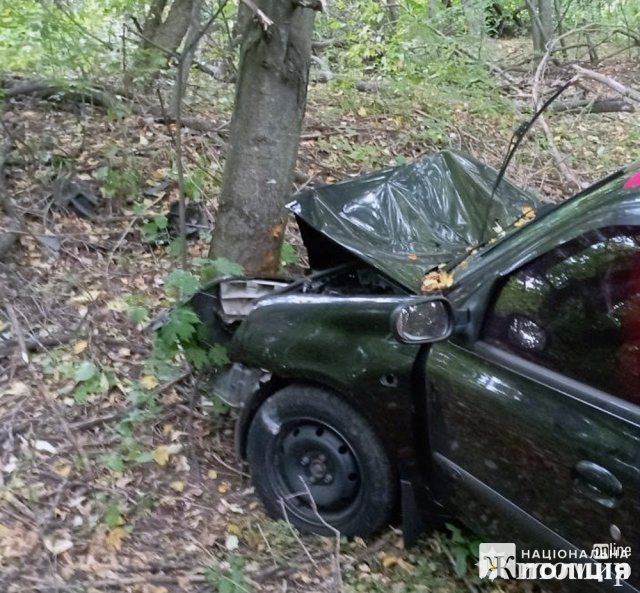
[{"x": 597, "y": 483}]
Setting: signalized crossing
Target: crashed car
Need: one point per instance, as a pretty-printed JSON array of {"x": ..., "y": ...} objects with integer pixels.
[{"x": 459, "y": 349}]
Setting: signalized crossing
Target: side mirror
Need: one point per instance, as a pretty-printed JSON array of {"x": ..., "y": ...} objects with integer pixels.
[{"x": 423, "y": 322}]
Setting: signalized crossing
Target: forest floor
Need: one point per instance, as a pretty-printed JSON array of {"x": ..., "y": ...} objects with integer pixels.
[{"x": 101, "y": 493}]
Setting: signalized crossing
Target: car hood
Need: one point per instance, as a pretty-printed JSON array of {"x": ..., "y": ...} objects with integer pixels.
[{"x": 409, "y": 219}]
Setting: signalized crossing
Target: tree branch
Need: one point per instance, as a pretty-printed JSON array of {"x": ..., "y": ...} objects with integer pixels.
[
  {"x": 312, "y": 4},
  {"x": 263, "y": 19},
  {"x": 614, "y": 85}
]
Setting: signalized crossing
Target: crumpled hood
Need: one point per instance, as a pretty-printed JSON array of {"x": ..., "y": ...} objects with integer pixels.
[{"x": 409, "y": 219}]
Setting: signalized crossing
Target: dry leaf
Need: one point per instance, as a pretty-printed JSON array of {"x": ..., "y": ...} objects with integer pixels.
[
  {"x": 389, "y": 560},
  {"x": 436, "y": 281},
  {"x": 161, "y": 455},
  {"x": 44, "y": 446},
  {"x": 177, "y": 485},
  {"x": 528, "y": 214},
  {"x": 17, "y": 388},
  {"x": 114, "y": 538},
  {"x": 212, "y": 474},
  {"x": 412, "y": 257},
  {"x": 149, "y": 382},
  {"x": 62, "y": 470},
  {"x": 57, "y": 545},
  {"x": 80, "y": 346},
  {"x": 231, "y": 542}
]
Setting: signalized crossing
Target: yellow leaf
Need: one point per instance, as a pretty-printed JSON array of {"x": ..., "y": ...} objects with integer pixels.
[
  {"x": 177, "y": 485},
  {"x": 389, "y": 560},
  {"x": 80, "y": 346},
  {"x": 223, "y": 488},
  {"x": 212, "y": 474},
  {"x": 114, "y": 538},
  {"x": 4, "y": 530},
  {"x": 436, "y": 281},
  {"x": 149, "y": 382},
  {"x": 233, "y": 528},
  {"x": 62, "y": 470},
  {"x": 161, "y": 455},
  {"x": 362, "y": 112}
]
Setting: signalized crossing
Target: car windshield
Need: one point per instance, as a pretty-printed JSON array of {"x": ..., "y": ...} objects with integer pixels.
[{"x": 547, "y": 209}]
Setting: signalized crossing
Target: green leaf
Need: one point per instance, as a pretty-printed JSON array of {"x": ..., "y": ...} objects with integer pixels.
[
  {"x": 145, "y": 457},
  {"x": 87, "y": 370},
  {"x": 180, "y": 327},
  {"x": 218, "y": 355},
  {"x": 112, "y": 516},
  {"x": 184, "y": 282},
  {"x": 288, "y": 255},
  {"x": 460, "y": 556},
  {"x": 138, "y": 313},
  {"x": 114, "y": 462}
]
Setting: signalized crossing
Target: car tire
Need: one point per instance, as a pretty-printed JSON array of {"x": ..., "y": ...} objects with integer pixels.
[{"x": 305, "y": 441}]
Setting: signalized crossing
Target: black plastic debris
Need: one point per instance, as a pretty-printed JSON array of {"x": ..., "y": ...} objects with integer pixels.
[{"x": 70, "y": 193}]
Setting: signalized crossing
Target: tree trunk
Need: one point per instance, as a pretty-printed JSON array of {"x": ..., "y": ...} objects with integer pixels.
[
  {"x": 159, "y": 35},
  {"x": 474, "y": 14},
  {"x": 188, "y": 54},
  {"x": 152, "y": 20},
  {"x": 541, "y": 16},
  {"x": 270, "y": 101},
  {"x": 171, "y": 32}
]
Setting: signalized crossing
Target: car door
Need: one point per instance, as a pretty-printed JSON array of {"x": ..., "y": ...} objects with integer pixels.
[{"x": 536, "y": 426}]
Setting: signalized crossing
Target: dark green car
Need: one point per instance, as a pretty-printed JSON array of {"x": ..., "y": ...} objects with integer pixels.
[{"x": 450, "y": 355}]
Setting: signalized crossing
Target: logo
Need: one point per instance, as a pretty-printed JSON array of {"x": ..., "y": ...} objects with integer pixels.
[
  {"x": 603, "y": 563},
  {"x": 497, "y": 561}
]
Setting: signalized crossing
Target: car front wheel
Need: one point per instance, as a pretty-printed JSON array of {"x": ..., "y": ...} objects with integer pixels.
[{"x": 318, "y": 464}]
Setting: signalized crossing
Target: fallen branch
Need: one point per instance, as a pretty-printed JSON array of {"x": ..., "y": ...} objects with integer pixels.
[
  {"x": 597, "y": 105},
  {"x": 9, "y": 237},
  {"x": 614, "y": 85},
  {"x": 47, "y": 90},
  {"x": 39, "y": 344}
]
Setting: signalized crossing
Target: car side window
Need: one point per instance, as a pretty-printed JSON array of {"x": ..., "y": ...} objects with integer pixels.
[{"x": 576, "y": 310}]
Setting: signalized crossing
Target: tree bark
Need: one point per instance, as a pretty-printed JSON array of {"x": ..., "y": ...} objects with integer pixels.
[
  {"x": 542, "y": 27},
  {"x": 269, "y": 107}
]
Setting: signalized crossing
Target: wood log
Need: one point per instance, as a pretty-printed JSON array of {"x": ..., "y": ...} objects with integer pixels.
[{"x": 598, "y": 105}]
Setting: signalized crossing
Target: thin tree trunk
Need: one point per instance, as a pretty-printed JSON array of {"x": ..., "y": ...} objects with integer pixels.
[
  {"x": 153, "y": 20},
  {"x": 541, "y": 16},
  {"x": 171, "y": 32},
  {"x": 190, "y": 46},
  {"x": 270, "y": 102}
]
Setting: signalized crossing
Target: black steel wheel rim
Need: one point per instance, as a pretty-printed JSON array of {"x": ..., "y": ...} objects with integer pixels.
[{"x": 312, "y": 459}]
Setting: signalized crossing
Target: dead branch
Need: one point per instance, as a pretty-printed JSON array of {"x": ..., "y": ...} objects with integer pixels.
[
  {"x": 9, "y": 237},
  {"x": 263, "y": 19},
  {"x": 614, "y": 85},
  {"x": 558, "y": 157},
  {"x": 596, "y": 105},
  {"x": 47, "y": 90},
  {"x": 17, "y": 330},
  {"x": 39, "y": 344},
  {"x": 312, "y": 4}
]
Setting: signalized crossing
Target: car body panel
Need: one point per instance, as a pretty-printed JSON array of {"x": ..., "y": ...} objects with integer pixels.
[
  {"x": 344, "y": 343},
  {"x": 523, "y": 437}
]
